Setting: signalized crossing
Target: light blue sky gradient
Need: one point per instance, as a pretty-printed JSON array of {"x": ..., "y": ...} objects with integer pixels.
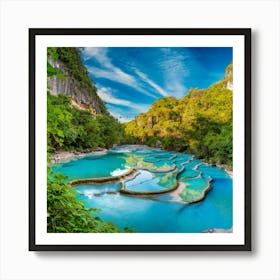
[{"x": 130, "y": 79}]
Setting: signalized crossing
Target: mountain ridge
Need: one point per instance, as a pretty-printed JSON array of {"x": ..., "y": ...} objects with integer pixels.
[{"x": 199, "y": 123}]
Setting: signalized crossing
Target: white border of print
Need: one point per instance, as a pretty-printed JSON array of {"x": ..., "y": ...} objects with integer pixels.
[{"x": 234, "y": 238}]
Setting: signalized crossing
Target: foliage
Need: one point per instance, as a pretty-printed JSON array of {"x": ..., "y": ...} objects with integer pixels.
[
  {"x": 200, "y": 123},
  {"x": 60, "y": 75},
  {"x": 51, "y": 71},
  {"x": 75, "y": 130},
  {"x": 67, "y": 214},
  {"x": 211, "y": 140},
  {"x": 53, "y": 53}
]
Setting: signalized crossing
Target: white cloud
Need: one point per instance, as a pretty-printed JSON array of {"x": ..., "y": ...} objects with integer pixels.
[
  {"x": 173, "y": 62},
  {"x": 177, "y": 89},
  {"x": 145, "y": 78},
  {"x": 111, "y": 72},
  {"x": 110, "y": 75},
  {"x": 100, "y": 54},
  {"x": 108, "y": 70},
  {"x": 121, "y": 118},
  {"x": 107, "y": 96},
  {"x": 175, "y": 67}
]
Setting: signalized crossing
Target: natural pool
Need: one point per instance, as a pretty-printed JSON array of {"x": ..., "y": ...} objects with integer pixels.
[{"x": 157, "y": 171}]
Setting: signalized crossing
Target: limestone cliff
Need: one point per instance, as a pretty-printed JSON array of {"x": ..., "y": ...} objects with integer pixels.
[
  {"x": 65, "y": 79},
  {"x": 229, "y": 77}
]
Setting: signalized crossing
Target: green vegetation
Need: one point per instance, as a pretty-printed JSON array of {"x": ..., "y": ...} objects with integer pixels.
[
  {"x": 67, "y": 214},
  {"x": 51, "y": 71},
  {"x": 200, "y": 123},
  {"x": 61, "y": 76},
  {"x": 72, "y": 129}
]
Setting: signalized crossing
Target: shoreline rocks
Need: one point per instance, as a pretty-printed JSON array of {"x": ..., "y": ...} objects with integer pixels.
[
  {"x": 221, "y": 166},
  {"x": 63, "y": 156},
  {"x": 103, "y": 180},
  {"x": 226, "y": 169}
]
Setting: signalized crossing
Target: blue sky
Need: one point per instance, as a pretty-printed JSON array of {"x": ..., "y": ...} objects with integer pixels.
[{"x": 130, "y": 79}]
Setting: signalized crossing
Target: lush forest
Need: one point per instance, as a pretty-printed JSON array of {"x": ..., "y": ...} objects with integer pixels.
[
  {"x": 200, "y": 123},
  {"x": 73, "y": 129}
]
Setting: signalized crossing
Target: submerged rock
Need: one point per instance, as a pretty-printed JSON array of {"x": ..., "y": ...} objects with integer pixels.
[{"x": 110, "y": 192}]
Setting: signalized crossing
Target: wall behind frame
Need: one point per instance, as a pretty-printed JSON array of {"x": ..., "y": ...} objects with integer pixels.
[{"x": 17, "y": 262}]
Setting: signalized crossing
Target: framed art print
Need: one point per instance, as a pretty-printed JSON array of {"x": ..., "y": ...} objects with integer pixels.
[{"x": 140, "y": 139}]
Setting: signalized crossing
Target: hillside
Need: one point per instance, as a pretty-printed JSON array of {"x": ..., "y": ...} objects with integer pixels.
[
  {"x": 199, "y": 123},
  {"x": 77, "y": 118},
  {"x": 67, "y": 75}
]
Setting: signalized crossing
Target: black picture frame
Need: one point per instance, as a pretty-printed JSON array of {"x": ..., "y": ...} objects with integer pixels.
[{"x": 33, "y": 33}]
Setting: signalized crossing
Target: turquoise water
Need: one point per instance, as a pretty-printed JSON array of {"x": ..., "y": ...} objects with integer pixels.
[
  {"x": 92, "y": 166},
  {"x": 156, "y": 213}
]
